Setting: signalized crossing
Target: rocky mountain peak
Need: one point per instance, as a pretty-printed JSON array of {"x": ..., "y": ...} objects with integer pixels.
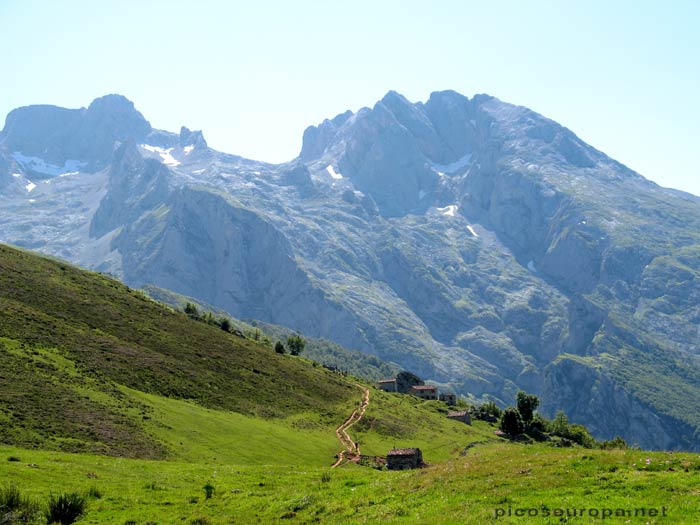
[
  {"x": 115, "y": 104},
  {"x": 58, "y": 135},
  {"x": 395, "y": 101},
  {"x": 192, "y": 138},
  {"x": 318, "y": 138}
]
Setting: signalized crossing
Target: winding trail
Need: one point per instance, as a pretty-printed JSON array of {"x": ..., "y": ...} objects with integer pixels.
[{"x": 351, "y": 451}]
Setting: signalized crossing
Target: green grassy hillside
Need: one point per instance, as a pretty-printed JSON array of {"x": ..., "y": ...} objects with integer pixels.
[
  {"x": 89, "y": 365},
  {"x": 322, "y": 351},
  {"x": 72, "y": 341}
]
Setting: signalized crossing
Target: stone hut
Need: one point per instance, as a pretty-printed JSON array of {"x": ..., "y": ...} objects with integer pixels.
[
  {"x": 449, "y": 397},
  {"x": 424, "y": 391},
  {"x": 404, "y": 458},
  {"x": 388, "y": 385},
  {"x": 460, "y": 415}
]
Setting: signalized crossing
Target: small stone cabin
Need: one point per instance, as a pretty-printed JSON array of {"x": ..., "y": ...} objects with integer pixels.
[
  {"x": 388, "y": 385},
  {"x": 460, "y": 415},
  {"x": 424, "y": 391},
  {"x": 449, "y": 397},
  {"x": 404, "y": 458}
]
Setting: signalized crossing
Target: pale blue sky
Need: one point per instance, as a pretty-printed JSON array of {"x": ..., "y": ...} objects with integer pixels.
[{"x": 623, "y": 75}]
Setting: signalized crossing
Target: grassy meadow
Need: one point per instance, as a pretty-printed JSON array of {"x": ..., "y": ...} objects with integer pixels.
[{"x": 466, "y": 489}]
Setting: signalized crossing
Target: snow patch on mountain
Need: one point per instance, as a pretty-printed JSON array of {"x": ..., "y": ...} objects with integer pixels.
[
  {"x": 165, "y": 154},
  {"x": 30, "y": 186},
  {"x": 39, "y": 165},
  {"x": 453, "y": 167},
  {"x": 331, "y": 171},
  {"x": 449, "y": 211}
]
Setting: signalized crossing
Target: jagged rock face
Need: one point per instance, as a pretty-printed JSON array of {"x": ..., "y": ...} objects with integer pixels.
[
  {"x": 57, "y": 135},
  {"x": 40, "y": 131},
  {"x": 193, "y": 139},
  {"x": 473, "y": 242},
  {"x": 203, "y": 244},
  {"x": 609, "y": 410},
  {"x": 136, "y": 185},
  {"x": 5, "y": 177},
  {"x": 390, "y": 152}
]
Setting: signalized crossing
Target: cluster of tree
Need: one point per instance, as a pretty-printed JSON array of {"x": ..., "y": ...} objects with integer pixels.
[
  {"x": 259, "y": 337},
  {"x": 488, "y": 411},
  {"x": 207, "y": 317},
  {"x": 330, "y": 354},
  {"x": 523, "y": 420},
  {"x": 295, "y": 344}
]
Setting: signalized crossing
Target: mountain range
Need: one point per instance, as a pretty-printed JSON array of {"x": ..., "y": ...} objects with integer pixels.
[{"x": 474, "y": 242}]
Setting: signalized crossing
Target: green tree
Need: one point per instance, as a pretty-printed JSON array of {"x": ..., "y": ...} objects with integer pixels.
[
  {"x": 488, "y": 411},
  {"x": 192, "y": 310},
  {"x": 279, "y": 347},
  {"x": 296, "y": 344},
  {"x": 225, "y": 324},
  {"x": 527, "y": 404},
  {"x": 511, "y": 422},
  {"x": 560, "y": 424}
]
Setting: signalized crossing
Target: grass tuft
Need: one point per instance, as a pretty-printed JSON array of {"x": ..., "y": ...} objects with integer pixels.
[
  {"x": 15, "y": 508},
  {"x": 66, "y": 508}
]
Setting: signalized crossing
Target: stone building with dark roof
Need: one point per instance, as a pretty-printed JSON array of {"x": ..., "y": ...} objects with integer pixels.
[
  {"x": 460, "y": 415},
  {"x": 404, "y": 458},
  {"x": 424, "y": 391},
  {"x": 449, "y": 397},
  {"x": 388, "y": 385}
]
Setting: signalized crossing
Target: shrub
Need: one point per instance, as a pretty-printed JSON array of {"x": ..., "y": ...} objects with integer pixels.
[
  {"x": 13, "y": 458},
  {"x": 539, "y": 423},
  {"x": 192, "y": 310},
  {"x": 208, "y": 491},
  {"x": 577, "y": 433},
  {"x": 616, "y": 442},
  {"x": 65, "y": 508},
  {"x": 225, "y": 324},
  {"x": 302, "y": 503},
  {"x": 511, "y": 422},
  {"x": 279, "y": 347}
]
